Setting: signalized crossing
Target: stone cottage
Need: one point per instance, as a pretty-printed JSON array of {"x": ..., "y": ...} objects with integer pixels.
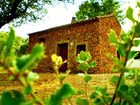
[{"x": 68, "y": 40}]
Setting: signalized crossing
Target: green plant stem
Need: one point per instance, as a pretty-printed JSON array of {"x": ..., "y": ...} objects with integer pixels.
[
  {"x": 122, "y": 73},
  {"x": 57, "y": 76},
  {"x": 120, "y": 101},
  {"x": 86, "y": 84},
  {"x": 114, "y": 95},
  {"x": 86, "y": 90},
  {"x": 106, "y": 103},
  {"x": 61, "y": 82},
  {"x": 39, "y": 101},
  {"x": 69, "y": 99}
]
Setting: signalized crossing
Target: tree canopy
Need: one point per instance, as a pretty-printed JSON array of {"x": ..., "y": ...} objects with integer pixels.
[
  {"x": 92, "y": 8},
  {"x": 23, "y": 10},
  {"x": 19, "y": 44}
]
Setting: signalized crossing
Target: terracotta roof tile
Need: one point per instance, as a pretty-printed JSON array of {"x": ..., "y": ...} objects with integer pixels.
[{"x": 72, "y": 24}]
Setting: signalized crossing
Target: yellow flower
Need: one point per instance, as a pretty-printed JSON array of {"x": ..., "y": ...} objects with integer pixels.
[
  {"x": 54, "y": 58},
  {"x": 59, "y": 60}
]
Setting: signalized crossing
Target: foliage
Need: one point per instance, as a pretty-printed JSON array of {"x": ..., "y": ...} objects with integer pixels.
[
  {"x": 23, "y": 10},
  {"x": 93, "y": 8},
  {"x": 84, "y": 64},
  {"x": 127, "y": 93},
  {"x": 83, "y": 58},
  {"x": 20, "y": 45},
  {"x": 64, "y": 92},
  {"x": 20, "y": 69}
]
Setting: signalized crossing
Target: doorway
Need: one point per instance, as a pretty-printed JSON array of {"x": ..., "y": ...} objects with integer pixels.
[{"x": 62, "y": 50}]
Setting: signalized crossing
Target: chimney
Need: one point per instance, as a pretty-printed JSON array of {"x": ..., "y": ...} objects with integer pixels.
[{"x": 73, "y": 20}]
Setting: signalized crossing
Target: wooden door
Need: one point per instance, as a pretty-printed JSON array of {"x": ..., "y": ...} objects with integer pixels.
[{"x": 63, "y": 52}]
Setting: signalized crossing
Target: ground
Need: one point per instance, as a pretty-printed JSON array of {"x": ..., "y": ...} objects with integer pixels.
[{"x": 48, "y": 83}]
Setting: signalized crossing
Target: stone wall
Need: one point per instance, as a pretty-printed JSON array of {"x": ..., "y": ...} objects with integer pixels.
[{"x": 93, "y": 33}]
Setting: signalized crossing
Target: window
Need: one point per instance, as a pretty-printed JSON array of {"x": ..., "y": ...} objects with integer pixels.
[
  {"x": 80, "y": 48},
  {"x": 41, "y": 40}
]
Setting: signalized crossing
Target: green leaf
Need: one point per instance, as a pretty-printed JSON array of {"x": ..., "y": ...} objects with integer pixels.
[
  {"x": 32, "y": 77},
  {"x": 124, "y": 88},
  {"x": 126, "y": 96},
  {"x": 78, "y": 59},
  {"x": 131, "y": 54},
  {"x": 28, "y": 89},
  {"x": 136, "y": 42},
  {"x": 62, "y": 77},
  {"x": 79, "y": 92},
  {"x": 83, "y": 66},
  {"x": 122, "y": 51},
  {"x": 137, "y": 98},
  {"x": 12, "y": 98},
  {"x": 129, "y": 14},
  {"x": 92, "y": 64},
  {"x": 137, "y": 29},
  {"x": 114, "y": 79},
  {"x": 2, "y": 44},
  {"x": 9, "y": 43},
  {"x": 22, "y": 62},
  {"x": 117, "y": 61},
  {"x": 83, "y": 57},
  {"x": 88, "y": 56},
  {"x": 25, "y": 62},
  {"x": 108, "y": 99},
  {"x": 47, "y": 101},
  {"x": 32, "y": 102},
  {"x": 81, "y": 101},
  {"x": 101, "y": 90},
  {"x": 98, "y": 101},
  {"x": 94, "y": 95},
  {"x": 112, "y": 37},
  {"x": 126, "y": 40},
  {"x": 65, "y": 91},
  {"x": 137, "y": 88},
  {"x": 38, "y": 51},
  {"x": 138, "y": 4},
  {"x": 87, "y": 78},
  {"x": 11, "y": 77},
  {"x": 98, "y": 93}
]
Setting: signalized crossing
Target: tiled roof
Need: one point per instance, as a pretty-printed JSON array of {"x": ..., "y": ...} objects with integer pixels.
[{"x": 72, "y": 24}]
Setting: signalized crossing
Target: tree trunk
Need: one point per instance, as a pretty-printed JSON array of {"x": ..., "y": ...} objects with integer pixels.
[{"x": 1, "y": 24}]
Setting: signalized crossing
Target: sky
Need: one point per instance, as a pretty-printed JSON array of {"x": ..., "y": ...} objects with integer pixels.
[{"x": 61, "y": 14}]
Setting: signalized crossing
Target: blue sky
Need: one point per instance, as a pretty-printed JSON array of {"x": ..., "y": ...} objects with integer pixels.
[{"x": 61, "y": 14}]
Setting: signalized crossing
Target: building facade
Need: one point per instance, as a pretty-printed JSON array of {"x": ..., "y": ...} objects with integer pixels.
[{"x": 68, "y": 40}]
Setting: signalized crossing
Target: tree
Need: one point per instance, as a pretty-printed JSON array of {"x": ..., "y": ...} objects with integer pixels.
[
  {"x": 19, "y": 47},
  {"x": 23, "y": 10},
  {"x": 92, "y": 8}
]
